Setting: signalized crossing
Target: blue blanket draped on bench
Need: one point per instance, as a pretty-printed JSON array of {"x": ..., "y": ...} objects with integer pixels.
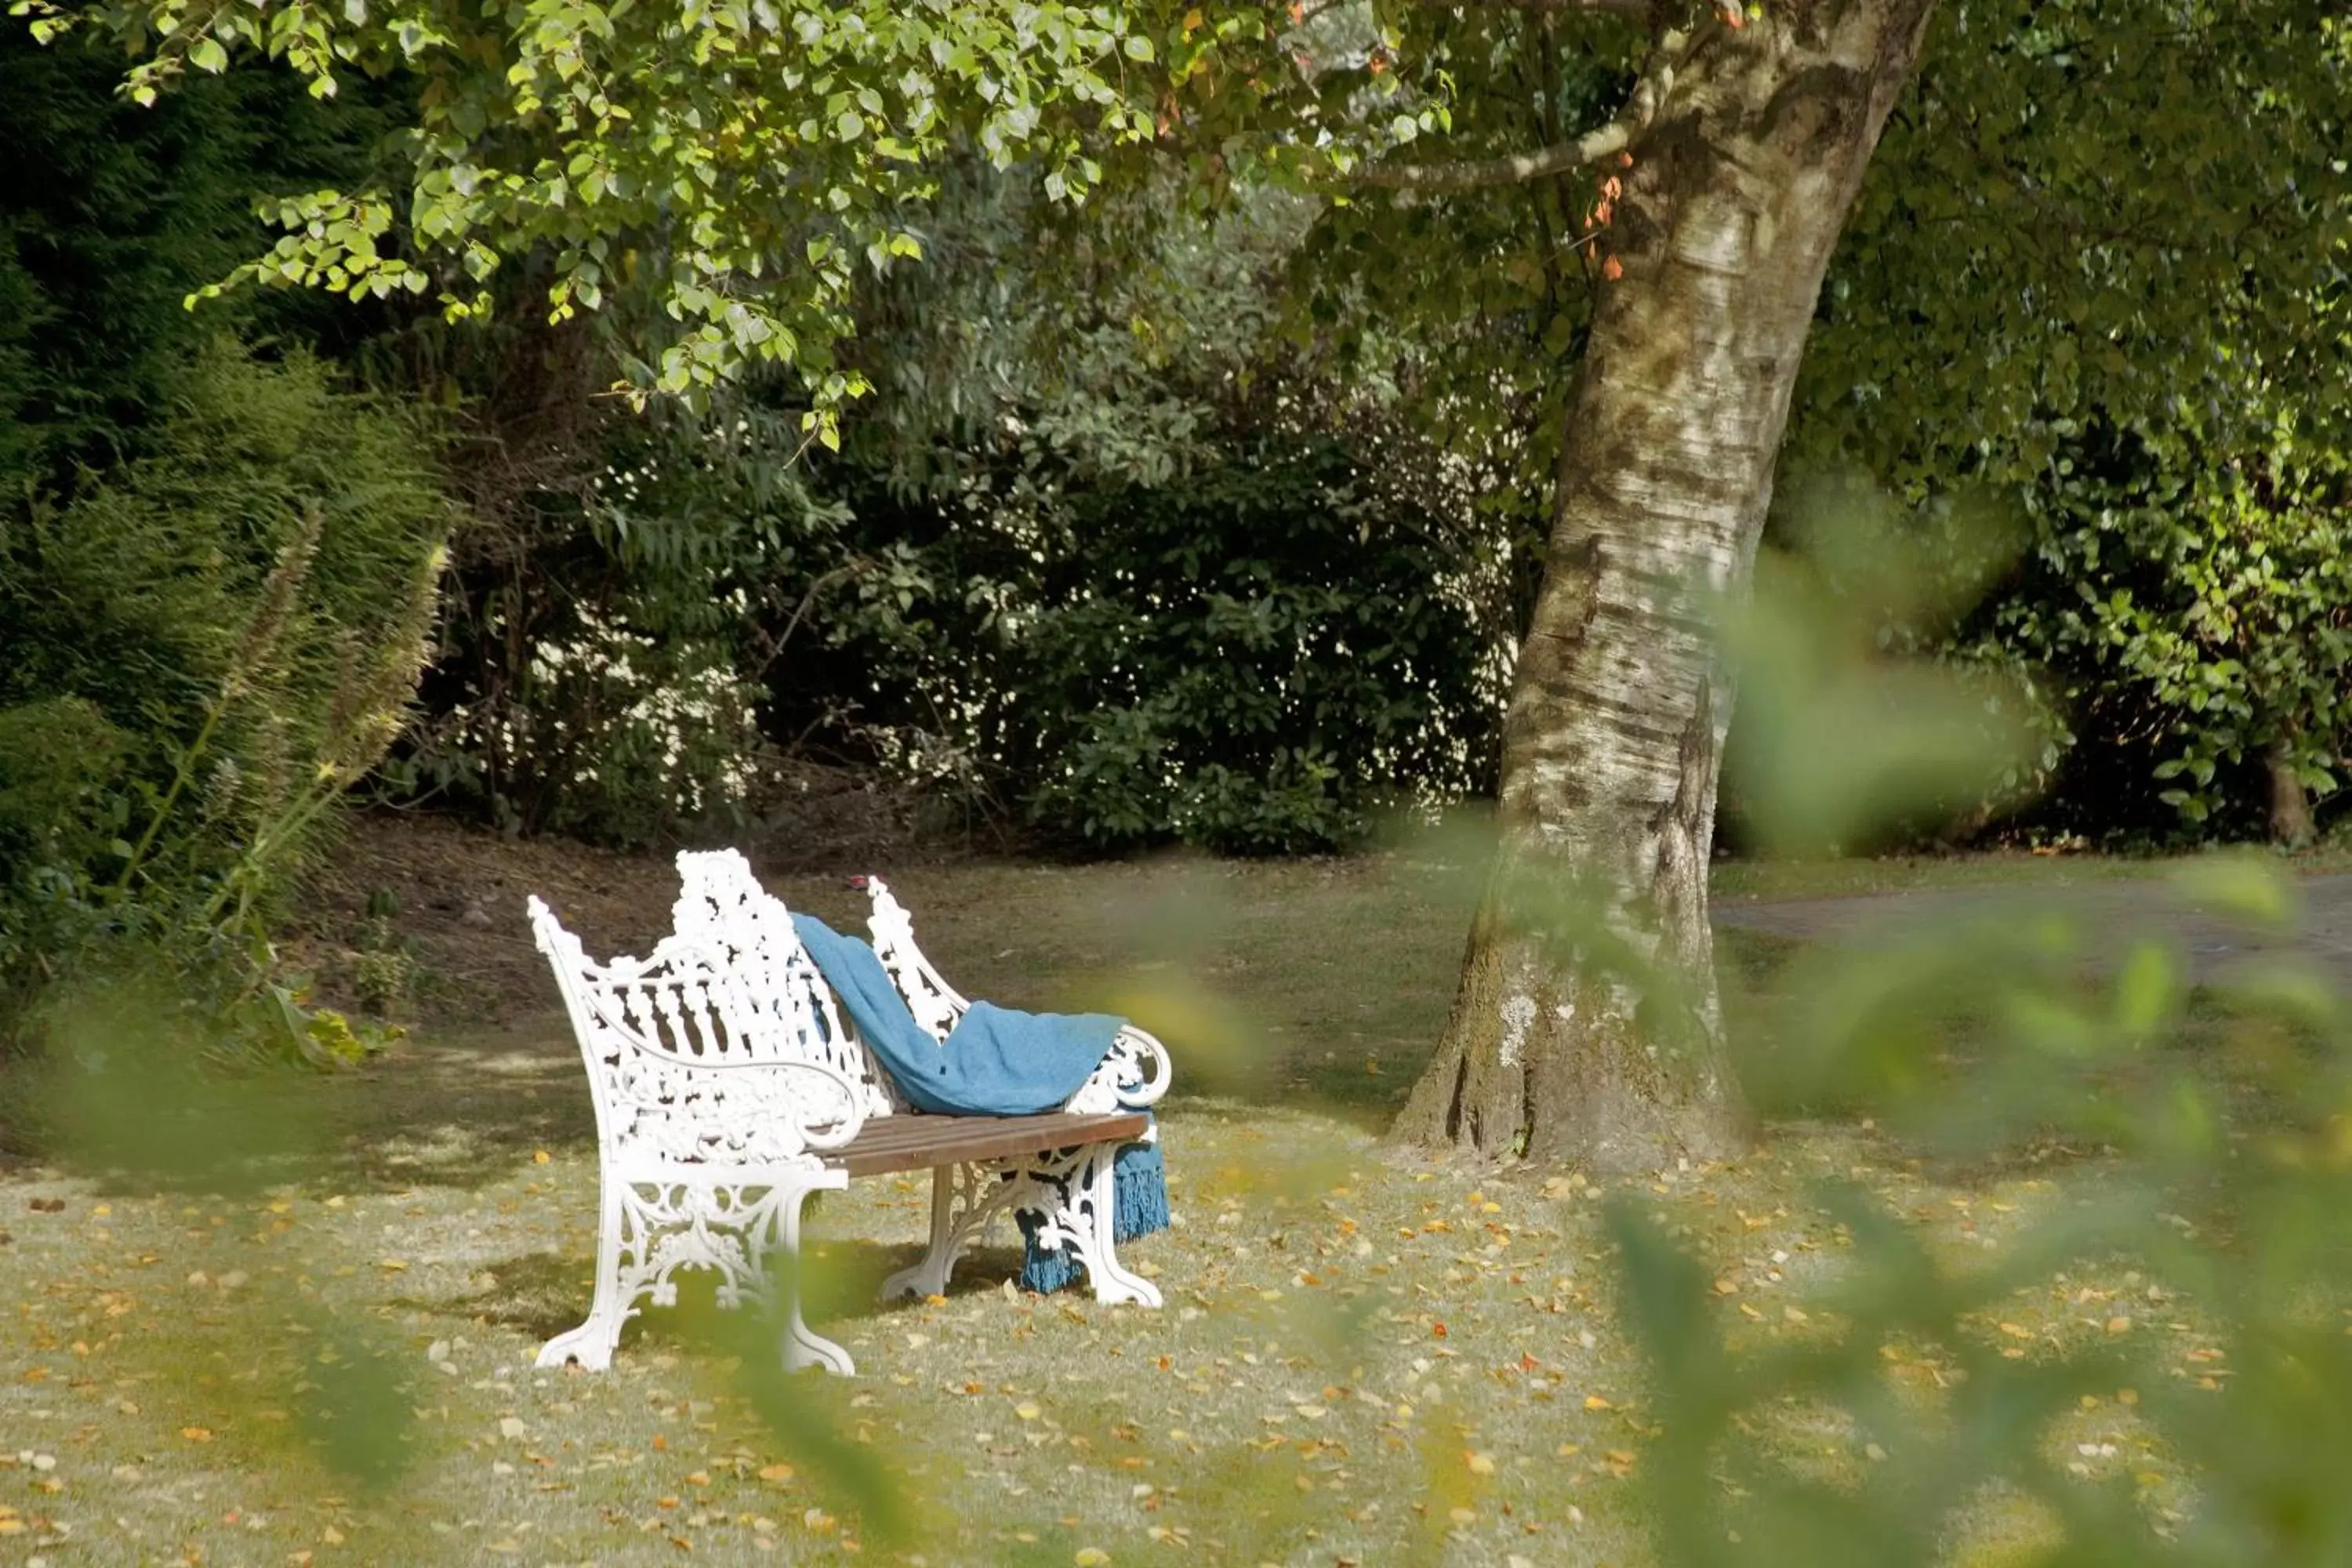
[{"x": 996, "y": 1062}]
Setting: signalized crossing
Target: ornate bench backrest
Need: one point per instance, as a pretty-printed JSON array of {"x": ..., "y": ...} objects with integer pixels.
[
  {"x": 691, "y": 1058},
  {"x": 721, "y": 904}
]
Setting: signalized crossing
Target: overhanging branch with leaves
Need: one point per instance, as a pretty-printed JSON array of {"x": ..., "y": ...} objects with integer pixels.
[{"x": 1673, "y": 52}]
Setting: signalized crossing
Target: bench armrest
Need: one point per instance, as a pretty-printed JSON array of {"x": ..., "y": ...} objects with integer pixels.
[
  {"x": 1134, "y": 1074},
  {"x": 832, "y": 1105},
  {"x": 1135, "y": 1071},
  {"x": 682, "y": 1060}
]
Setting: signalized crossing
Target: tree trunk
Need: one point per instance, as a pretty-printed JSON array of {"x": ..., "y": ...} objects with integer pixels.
[
  {"x": 1586, "y": 1027},
  {"x": 2292, "y": 824}
]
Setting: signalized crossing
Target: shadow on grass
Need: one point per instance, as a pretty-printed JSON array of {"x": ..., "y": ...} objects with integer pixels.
[
  {"x": 542, "y": 1294},
  {"x": 461, "y": 1112},
  {"x": 458, "y": 1113}
]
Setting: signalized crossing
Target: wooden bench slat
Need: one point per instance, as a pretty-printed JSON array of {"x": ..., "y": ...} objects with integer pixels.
[{"x": 919, "y": 1142}]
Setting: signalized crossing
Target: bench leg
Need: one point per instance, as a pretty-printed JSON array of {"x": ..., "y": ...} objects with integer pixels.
[
  {"x": 1111, "y": 1281},
  {"x": 964, "y": 1199},
  {"x": 591, "y": 1344},
  {"x": 803, "y": 1346},
  {"x": 1080, "y": 1212}
]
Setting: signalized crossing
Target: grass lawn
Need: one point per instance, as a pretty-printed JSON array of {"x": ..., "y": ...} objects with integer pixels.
[{"x": 1363, "y": 1358}]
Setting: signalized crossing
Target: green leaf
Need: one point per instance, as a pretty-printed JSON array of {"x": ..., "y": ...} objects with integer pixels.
[{"x": 2147, "y": 991}]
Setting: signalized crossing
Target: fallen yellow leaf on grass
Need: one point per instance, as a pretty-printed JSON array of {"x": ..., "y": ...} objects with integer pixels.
[
  {"x": 1480, "y": 1464},
  {"x": 1091, "y": 1557},
  {"x": 390, "y": 1264},
  {"x": 775, "y": 1472},
  {"x": 196, "y": 1433},
  {"x": 539, "y": 1156}
]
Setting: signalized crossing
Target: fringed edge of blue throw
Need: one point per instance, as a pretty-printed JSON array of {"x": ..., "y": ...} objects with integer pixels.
[
  {"x": 1139, "y": 1206},
  {"x": 1043, "y": 1272},
  {"x": 1141, "y": 1187}
]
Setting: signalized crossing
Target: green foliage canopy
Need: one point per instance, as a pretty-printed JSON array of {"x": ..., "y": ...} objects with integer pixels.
[
  {"x": 111, "y": 213},
  {"x": 742, "y": 161},
  {"x": 2093, "y": 216}
]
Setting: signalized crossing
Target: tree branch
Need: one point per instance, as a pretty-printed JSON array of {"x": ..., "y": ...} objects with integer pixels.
[
  {"x": 1515, "y": 169},
  {"x": 1673, "y": 51}
]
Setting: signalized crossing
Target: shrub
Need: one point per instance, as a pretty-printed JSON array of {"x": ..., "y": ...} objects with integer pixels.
[
  {"x": 2193, "y": 606},
  {"x": 1251, "y": 645},
  {"x": 621, "y": 737},
  {"x": 199, "y": 651},
  {"x": 592, "y": 674},
  {"x": 1250, "y": 657}
]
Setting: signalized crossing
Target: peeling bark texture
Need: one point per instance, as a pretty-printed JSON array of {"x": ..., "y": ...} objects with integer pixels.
[{"x": 1588, "y": 1030}]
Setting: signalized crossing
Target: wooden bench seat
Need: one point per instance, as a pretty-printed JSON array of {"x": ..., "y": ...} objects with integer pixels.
[
  {"x": 729, "y": 1087},
  {"x": 914, "y": 1141}
]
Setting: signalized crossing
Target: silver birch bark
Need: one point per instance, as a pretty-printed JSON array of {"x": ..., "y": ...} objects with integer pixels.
[{"x": 1558, "y": 1048}]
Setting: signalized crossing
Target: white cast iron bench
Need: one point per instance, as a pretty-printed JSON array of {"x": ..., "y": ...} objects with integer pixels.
[{"x": 728, "y": 1088}]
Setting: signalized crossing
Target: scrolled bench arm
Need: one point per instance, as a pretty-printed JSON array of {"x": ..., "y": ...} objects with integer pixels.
[
  {"x": 824, "y": 1132},
  {"x": 1135, "y": 1071},
  {"x": 1134, "y": 1074}
]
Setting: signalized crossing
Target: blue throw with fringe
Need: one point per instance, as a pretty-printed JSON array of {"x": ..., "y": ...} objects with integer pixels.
[{"x": 996, "y": 1062}]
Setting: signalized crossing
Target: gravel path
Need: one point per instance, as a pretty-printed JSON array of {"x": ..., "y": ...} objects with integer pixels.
[{"x": 2116, "y": 911}]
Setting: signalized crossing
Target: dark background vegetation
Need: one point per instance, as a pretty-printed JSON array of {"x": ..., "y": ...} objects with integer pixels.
[{"x": 1193, "y": 548}]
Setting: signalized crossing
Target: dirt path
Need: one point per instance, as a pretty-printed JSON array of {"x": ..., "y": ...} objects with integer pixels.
[{"x": 2116, "y": 912}]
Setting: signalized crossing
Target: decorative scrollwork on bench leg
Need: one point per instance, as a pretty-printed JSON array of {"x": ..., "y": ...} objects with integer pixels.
[
  {"x": 964, "y": 1200},
  {"x": 652, "y": 1226},
  {"x": 1075, "y": 1198}
]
